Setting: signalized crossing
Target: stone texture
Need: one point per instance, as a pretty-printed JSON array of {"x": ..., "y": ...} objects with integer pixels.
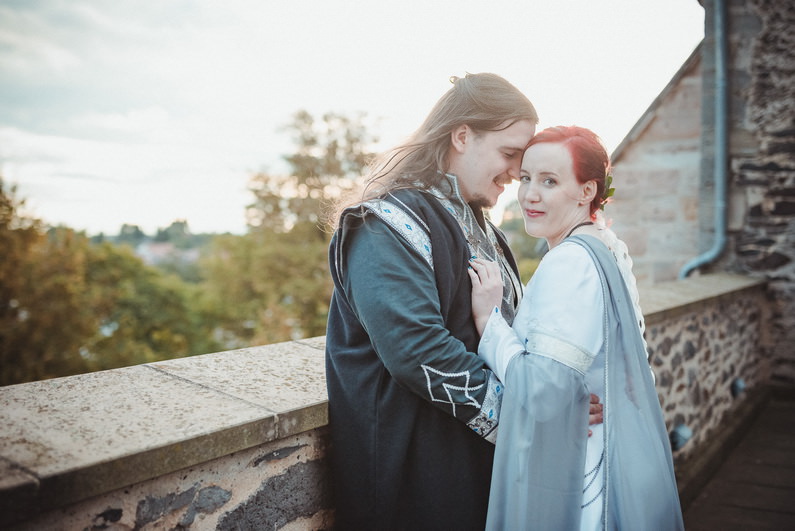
[
  {"x": 281, "y": 377},
  {"x": 67, "y": 439},
  {"x": 207, "y": 443},
  {"x": 703, "y": 333},
  {"x": 286, "y": 480}
]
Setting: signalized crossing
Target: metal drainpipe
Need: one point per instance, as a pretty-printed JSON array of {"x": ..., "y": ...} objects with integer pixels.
[{"x": 721, "y": 142}]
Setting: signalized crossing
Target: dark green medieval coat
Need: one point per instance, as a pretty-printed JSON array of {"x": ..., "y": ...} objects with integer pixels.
[{"x": 411, "y": 405}]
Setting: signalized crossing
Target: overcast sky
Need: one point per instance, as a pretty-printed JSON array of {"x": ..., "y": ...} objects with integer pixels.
[{"x": 148, "y": 111}]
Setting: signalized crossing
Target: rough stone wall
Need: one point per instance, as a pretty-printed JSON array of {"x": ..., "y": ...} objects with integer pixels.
[
  {"x": 283, "y": 485},
  {"x": 761, "y": 238},
  {"x": 664, "y": 171},
  {"x": 698, "y": 354},
  {"x": 766, "y": 244}
]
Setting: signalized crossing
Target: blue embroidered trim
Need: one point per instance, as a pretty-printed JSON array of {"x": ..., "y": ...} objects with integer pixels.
[{"x": 403, "y": 224}]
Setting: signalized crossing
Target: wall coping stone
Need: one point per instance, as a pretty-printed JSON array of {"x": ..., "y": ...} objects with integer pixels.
[
  {"x": 68, "y": 439},
  {"x": 675, "y": 298}
]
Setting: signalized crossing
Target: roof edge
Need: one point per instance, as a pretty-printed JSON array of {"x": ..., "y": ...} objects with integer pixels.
[{"x": 646, "y": 118}]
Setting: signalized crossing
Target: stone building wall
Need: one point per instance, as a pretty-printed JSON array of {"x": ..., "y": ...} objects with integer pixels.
[
  {"x": 664, "y": 169},
  {"x": 765, "y": 246},
  {"x": 656, "y": 176},
  {"x": 699, "y": 352},
  {"x": 761, "y": 164}
]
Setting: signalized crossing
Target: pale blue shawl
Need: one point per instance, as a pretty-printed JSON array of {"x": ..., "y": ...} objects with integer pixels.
[{"x": 540, "y": 454}]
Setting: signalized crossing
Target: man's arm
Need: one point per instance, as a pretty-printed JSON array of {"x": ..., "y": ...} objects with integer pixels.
[{"x": 393, "y": 292}]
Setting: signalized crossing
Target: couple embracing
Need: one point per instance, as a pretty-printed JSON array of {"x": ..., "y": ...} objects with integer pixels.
[{"x": 459, "y": 398}]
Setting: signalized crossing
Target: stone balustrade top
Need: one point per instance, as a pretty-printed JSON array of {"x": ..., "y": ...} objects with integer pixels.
[
  {"x": 67, "y": 439},
  {"x": 668, "y": 299}
]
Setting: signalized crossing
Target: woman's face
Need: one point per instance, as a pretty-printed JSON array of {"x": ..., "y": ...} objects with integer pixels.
[{"x": 552, "y": 200}]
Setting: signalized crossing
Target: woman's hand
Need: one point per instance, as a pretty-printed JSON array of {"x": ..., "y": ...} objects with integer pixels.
[{"x": 486, "y": 290}]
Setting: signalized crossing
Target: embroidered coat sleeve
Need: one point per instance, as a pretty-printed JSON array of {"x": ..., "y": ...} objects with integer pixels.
[{"x": 392, "y": 290}]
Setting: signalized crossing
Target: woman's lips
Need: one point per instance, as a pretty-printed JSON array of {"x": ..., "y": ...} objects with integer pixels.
[{"x": 533, "y": 213}]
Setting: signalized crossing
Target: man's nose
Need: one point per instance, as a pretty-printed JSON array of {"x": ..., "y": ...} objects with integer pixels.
[{"x": 514, "y": 169}]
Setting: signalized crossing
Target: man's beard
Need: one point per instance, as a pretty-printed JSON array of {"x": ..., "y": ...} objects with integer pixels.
[{"x": 480, "y": 202}]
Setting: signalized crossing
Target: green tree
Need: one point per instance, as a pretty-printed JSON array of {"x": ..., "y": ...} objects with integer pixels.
[
  {"x": 331, "y": 154},
  {"x": 142, "y": 314},
  {"x": 132, "y": 235},
  {"x": 42, "y": 321},
  {"x": 273, "y": 282},
  {"x": 68, "y": 306}
]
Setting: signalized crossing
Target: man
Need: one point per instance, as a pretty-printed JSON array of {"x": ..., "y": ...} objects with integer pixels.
[{"x": 412, "y": 409}]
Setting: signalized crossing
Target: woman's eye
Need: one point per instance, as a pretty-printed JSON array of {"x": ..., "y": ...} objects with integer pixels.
[
  {"x": 550, "y": 182},
  {"x": 524, "y": 179}
]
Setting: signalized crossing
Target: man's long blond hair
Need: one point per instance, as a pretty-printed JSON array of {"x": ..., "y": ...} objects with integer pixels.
[{"x": 484, "y": 102}]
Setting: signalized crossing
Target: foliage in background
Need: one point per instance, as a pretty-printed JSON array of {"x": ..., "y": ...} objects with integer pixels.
[
  {"x": 273, "y": 283},
  {"x": 72, "y": 304}
]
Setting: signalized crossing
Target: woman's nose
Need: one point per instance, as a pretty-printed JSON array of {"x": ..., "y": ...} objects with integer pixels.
[{"x": 528, "y": 192}]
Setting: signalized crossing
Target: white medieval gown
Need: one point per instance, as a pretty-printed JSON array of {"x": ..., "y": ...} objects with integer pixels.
[{"x": 579, "y": 331}]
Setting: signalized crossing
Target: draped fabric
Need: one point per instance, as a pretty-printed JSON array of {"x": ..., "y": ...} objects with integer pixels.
[
  {"x": 540, "y": 454},
  {"x": 537, "y": 480}
]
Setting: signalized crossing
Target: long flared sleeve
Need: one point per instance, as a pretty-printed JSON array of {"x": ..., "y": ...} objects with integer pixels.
[{"x": 540, "y": 453}]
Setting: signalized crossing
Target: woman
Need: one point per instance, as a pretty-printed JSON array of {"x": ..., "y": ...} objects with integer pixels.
[{"x": 578, "y": 330}]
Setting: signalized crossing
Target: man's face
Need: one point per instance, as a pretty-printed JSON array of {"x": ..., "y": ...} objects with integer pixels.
[{"x": 485, "y": 162}]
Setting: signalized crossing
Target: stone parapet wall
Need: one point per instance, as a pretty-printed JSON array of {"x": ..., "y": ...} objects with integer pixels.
[
  {"x": 283, "y": 485},
  {"x": 706, "y": 334},
  {"x": 231, "y": 440},
  {"x": 238, "y": 439}
]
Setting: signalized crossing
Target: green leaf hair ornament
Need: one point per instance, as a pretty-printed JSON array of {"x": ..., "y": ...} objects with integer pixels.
[{"x": 608, "y": 193}]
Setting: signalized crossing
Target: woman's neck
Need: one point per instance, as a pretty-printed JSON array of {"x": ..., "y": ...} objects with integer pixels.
[{"x": 577, "y": 227}]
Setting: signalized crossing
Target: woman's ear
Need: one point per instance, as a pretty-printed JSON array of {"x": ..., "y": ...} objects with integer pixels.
[
  {"x": 588, "y": 192},
  {"x": 459, "y": 137}
]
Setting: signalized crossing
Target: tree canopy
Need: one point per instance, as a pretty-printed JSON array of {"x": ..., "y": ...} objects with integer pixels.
[
  {"x": 273, "y": 283},
  {"x": 71, "y": 304}
]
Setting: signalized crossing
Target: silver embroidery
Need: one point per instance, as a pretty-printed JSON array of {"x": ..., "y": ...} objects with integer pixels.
[
  {"x": 405, "y": 225},
  {"x": 462, "y": 384},
  {"x": 482, "y": 242},
  {"x": 485, "y": 422}
]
